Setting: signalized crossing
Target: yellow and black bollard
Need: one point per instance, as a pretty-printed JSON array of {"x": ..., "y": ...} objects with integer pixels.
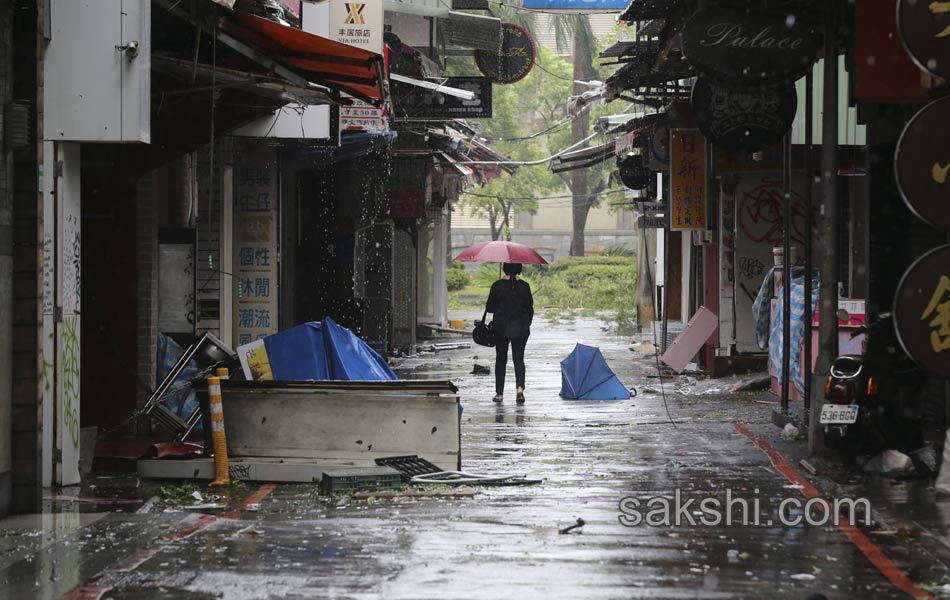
[{"x": 222, "y": 475}]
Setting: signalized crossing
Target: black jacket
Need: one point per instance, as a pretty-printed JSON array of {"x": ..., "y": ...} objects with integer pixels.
[{"x": 512, "y": 305}]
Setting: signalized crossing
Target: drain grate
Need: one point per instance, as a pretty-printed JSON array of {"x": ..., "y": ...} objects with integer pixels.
[{"x": 408, "y": 466}]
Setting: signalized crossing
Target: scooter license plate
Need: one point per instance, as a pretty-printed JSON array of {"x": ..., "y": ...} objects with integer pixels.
[{"x": 838, "y": 414}]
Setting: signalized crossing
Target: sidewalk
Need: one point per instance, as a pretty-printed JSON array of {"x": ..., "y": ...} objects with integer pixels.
[{"x": 504, "y": 542}]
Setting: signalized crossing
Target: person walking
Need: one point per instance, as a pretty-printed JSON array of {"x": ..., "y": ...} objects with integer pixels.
[{"x": 512, "y": 307}]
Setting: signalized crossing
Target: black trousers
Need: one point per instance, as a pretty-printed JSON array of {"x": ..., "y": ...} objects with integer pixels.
[{"x": 501, "y": 361}]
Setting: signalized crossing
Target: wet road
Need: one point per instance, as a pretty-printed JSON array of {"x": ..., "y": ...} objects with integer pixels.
[{"x": 503, "y": 542}]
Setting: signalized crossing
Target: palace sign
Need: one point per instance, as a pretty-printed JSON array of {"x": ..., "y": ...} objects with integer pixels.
[{"x": 734, "y": 46}]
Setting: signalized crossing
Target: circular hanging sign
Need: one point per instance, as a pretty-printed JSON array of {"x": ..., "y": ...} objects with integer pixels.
[
  {"x": 734, "y": 46},
  {"x": 660, "y": 143},
  {"x": 924, "y": 28},
  {"x": 922, "y": 311},
  {"x": 633, "y": 174},
  {"x": 515, "y": 59},
  {"x": 746, "y": 119},
  {"x": 922, "y": 164}
]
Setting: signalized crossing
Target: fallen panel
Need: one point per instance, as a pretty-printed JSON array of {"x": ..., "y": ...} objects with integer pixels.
[
  {"x": 342, "y": 422},
  {"x": 688, "y": 343}
]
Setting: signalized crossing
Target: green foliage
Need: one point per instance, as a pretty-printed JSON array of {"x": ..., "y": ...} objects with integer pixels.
[
  {"x": 457, "y": 278},
  {"x": 586, "y": 284},
  {"x": 619, "y": 250},
  {"x": 590, "y": 283}
]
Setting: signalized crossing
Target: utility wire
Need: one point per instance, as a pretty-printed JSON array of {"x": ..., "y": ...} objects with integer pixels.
[
  {"x": 545, "y": 131},
  {"x": 569, "y": 196}
]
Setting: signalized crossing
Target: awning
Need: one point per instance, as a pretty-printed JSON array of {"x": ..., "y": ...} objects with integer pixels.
[
  {"x": 353, "y": 70},
  {"x": 625, "y": 50},
  {"x": 435, "y": 87},
  {"x": 465, "y": 30},
  {"x": 644, "y": 10},
  {"x": 462, "y": 170},
  {"x": 266, "y": 87},
  {"x": 583, "y": 158},
  {"x": 421, "y": 8},
  {"x": 609, "y": 123}
]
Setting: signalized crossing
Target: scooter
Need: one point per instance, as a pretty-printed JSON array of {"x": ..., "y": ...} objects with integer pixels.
[{"x": 868, "y": 397}]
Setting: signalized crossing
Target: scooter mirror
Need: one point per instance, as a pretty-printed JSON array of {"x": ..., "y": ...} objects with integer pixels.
[{"x": 843, "y": 315}]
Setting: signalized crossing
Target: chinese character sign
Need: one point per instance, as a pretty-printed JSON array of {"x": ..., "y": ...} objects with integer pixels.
[
  {"x": 254, "y": 280},
  {"x": 687, "y": 179},
  {"x": 358, "y": 24},
  {"x": 922, "y": 311}
]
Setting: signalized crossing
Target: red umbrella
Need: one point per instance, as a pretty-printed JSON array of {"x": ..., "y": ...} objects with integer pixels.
[{"x": 501, "y": 251}]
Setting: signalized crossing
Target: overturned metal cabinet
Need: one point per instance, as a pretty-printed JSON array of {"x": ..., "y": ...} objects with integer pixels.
[{"x": 310, "y": 425}]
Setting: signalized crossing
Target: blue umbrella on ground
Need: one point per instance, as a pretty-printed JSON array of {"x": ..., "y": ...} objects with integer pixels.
[{"x": 585, "y": 375}]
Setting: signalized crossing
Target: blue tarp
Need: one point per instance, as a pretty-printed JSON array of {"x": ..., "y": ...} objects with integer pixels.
[
  {"x": 586, "y": 376},
  {"x": 324, "y": 351},
  {"x": 769, "y": 330},
  {"x": 180, "y": 398}
]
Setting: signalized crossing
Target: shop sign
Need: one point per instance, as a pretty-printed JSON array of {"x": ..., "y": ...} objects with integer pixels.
[
  {"x": 660, "y": 147},
  {"x": 687, "y": 179},
  {"x": 652, "y": 209},
  {"x": 922, "y": 164},
  {"x": 648, "y": 222},
  {"x": 922, "y": 311},
  {"x": 359, "y": 24},
  {"x": 743, "y": 118},
  {"x": 924, "y": 27},
  {"x": 744, "y": 47},
  {"x": 416, "y": 103},
  {"x": 255, "y": 246},
  {"x": 883, "y": 70},
  {"x": 363, "y": 116},
  {"x": 515, "y": 59},
  {"x": 633, "y": 174}
]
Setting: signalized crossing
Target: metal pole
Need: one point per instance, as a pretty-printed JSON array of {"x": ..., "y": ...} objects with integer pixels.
[
  {"x": 667, "y": 242},
  {"x": 809, "y": 119},
  {"x": 828, "y": 325},
  {"x": 786, "y": 271}
]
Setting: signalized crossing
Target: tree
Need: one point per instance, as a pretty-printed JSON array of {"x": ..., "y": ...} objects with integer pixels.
[
  {"x": 576, "y": 28},
  {"x": 533, "y": 104}
]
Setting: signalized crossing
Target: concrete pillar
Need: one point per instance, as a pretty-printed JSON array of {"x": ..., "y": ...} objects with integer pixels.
[{"x": 6, "y": 265}]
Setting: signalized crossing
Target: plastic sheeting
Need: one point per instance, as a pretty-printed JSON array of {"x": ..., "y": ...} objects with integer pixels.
[
  {"x": 585, "y": 375},
  {"x": 180, "y": 397},
  {"x": 316, "y": 351}
]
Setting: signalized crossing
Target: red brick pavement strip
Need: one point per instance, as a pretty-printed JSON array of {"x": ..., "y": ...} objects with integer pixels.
[
  {"x": 881, "y": 562},
  {"x": 136, "y": 559}
]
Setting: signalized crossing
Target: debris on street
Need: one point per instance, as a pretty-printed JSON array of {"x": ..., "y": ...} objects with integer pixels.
[{"x": 575, "y": 527}]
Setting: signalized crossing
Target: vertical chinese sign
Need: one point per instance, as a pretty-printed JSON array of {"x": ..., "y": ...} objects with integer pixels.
[
  {"x": 255, "y": 246},
  {"x": 359, "y": 24},
  {"x": 687, "y": 179}
]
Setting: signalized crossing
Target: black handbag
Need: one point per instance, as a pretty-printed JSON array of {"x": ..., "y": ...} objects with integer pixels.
[{"x": 484, "y": 333}]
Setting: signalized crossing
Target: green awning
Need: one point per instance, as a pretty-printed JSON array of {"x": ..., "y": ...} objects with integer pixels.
[{"x": 421, "y": 8}]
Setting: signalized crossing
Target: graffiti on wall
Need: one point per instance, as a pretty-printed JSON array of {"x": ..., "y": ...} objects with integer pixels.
[
  {"x": 70, "y": 379},
  {"x": 762, "y": 210},
  {"x": 759, "y": 217},
  {"x": 72, "y": 264}
]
